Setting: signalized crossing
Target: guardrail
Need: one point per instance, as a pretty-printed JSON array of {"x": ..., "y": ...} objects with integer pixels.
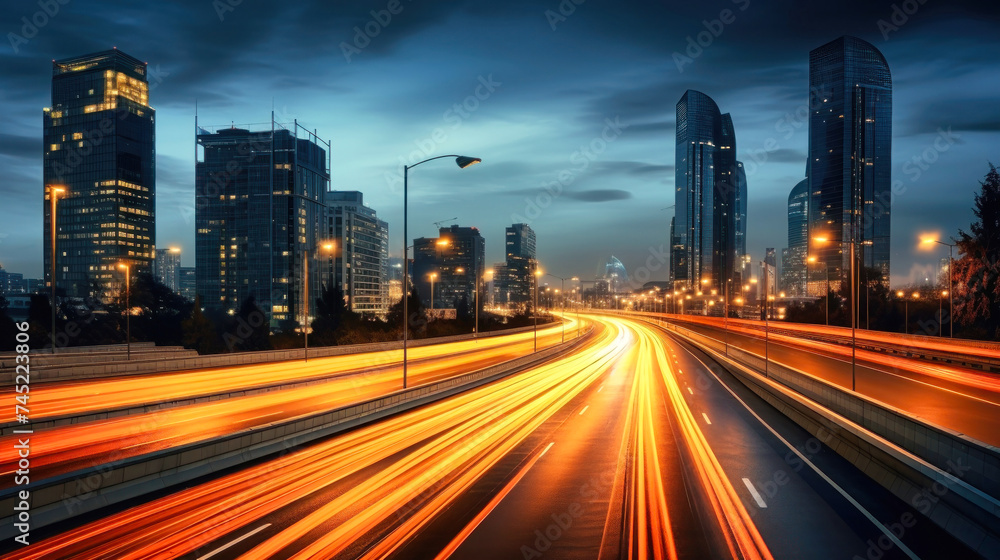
[
  {"x": 65, "y": 496},
  {"x": 952, "y": 479}
]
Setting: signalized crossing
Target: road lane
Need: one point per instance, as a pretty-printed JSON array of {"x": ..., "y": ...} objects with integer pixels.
[
  {"x": 964, "y": 401},
  {"x": 58, "y": 399}
]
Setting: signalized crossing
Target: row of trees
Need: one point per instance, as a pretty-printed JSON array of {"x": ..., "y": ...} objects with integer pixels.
[{"x": 161, "y": 316}]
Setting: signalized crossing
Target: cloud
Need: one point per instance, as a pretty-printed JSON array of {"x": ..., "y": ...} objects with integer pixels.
[{"x": 599, "y": 195}]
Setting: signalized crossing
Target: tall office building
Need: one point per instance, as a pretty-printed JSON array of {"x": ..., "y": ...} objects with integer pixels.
[
  {"x": 709, "y": 228},
  {"x": 514, "y": 278},
  {"x": 167, "y": 268},
  {"x": 259, "y": 205},
  {"x": 794, "y": 270},
  {"x": 360, "y": 263},
  {"x": 850, "y": 149},
  {"x": 457, "y": 261},
  {"x": 188, "y": 286},
  {"x": 99, "y": 136}
]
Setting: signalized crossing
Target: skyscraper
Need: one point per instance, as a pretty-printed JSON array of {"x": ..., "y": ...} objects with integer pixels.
[
  {"x": 709, "y": 228},
  {"x": 795, "y": 268},
  {"x": 167, "y": 268},
  {"x": 514, "y": 279},
  {"x": 850, "y": 148},
  {"x": 457, "y": 263},
  {"x": 360, "y": 264},
  {"x": 258, "y": 211},
  {"x": 99, "y": 137}
]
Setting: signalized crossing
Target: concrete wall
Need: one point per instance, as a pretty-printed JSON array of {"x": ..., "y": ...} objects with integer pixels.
[{"x": 66, "y": 496}]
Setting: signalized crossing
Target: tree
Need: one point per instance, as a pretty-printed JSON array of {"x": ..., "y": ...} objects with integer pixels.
[
  {"x": 977, "y": 270},
  {"x": 249, "y": 330},
  {"x": 199, "y": 331},
  {"x": 162, "y": 311},
  {"x": 417, "y": 319},
  {"x": 8, "y": 331},
  {"x": 332, "y": 316}
]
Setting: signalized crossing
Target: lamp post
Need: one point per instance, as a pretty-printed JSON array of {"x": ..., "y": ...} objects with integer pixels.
[
  {"x": 941, "y": 295},
  {"x": 433, "y": 276},
  {"x": 906, "y": 308},
  {"x": 462, "y": 162},
  {"x": 538, "y": 274},
  {"x": 475, "y": 276},
  {"x": 822, "y": 239},
  {"x": 326, "y": 247},
  {"x": 951, "y": 276},
  {"x": 562, "y": 285},
  {"x": 54, "y": 192},
  {"x": 826, "y": 297},
  {"x": 128, "y": 309}
]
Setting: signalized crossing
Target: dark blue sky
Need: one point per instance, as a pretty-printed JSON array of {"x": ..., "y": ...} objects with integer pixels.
[{"x": 586, "y": 96}]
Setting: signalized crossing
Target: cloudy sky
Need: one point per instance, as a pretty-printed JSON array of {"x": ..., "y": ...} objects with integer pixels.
[{"x": 578, "y": 91}]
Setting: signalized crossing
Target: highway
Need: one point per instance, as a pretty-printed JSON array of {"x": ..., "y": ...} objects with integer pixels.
[
  {"x": 631, "y": 446},
  {"x": 58, "y": 399},
  {"x": 350, "y": 379},
  {"x": 950, "y": 396}
]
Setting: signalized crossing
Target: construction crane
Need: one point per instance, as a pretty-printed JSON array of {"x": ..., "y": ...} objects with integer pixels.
[{"x": 438, "y": 223}]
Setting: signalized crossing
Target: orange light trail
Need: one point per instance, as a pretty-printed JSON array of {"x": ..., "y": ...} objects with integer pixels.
[{"x": 417, "y": 463}]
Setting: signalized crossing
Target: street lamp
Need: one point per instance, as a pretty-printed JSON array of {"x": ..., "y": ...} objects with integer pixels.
[
  {"x": 906, "y": 309},
  {"x": 562, "y": 285},
  {"x": 538, "y": 274},
  {"x": 54, "y": 192},
  {"x": 941, "y": 311},
  {"x": 927, "y": 241},
  {"x": 475, "y": 276},
  {"x": 826, "y": 297},
  {"x": 462, "y": 162},
  {"x": 325, "y": 247},
  {"x": 432, "y": 276},
  {"x": 128, "y": 309},
  {"x": 822, "y": 239}
]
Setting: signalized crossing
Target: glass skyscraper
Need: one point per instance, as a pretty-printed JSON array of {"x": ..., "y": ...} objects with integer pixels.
[
  {"x": 850, "y": 148},
  {"x": 794, "y": 269},
  {"x": 709, "y": 226},
  {"x": 259, "y": 206},
  {"x": 360, "y": 265},
  {"x": 99, "y": 137},
  {"x": 514, "y": 279}
]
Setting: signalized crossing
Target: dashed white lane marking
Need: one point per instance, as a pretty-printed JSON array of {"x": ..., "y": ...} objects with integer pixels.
[
  {"x": 690, "y": 390},
  {"x": 235, "y": 542},
  {"x": 756, "y": 495},
  {"x": 705, "y": 416},
  {"x": 584, "y": 410}
]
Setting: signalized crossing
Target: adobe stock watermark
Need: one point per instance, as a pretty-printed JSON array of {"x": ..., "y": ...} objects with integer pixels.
[
  {"x": 899, "y": 17},
  {"x": 923, "y": 502},
  {"x": 581, "y": 160},
  {"x": 454, "y": 117},
  {"x": 563, "y": 520},
  {"x": 31, "y": 25},
  {"x": 704, "y": 39},
  {"x": 365, "y": 34},
  {"x": 562, "y": 12},
  {"x": 785, "y": 127},
  {"x": 223, "y": 7}
]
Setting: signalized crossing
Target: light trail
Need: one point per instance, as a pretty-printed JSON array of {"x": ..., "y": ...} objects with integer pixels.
[
  {"x": 407, "y": 470},
  {"x": 58, "y": 399},
  {"x": 68, "y": 448}
]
